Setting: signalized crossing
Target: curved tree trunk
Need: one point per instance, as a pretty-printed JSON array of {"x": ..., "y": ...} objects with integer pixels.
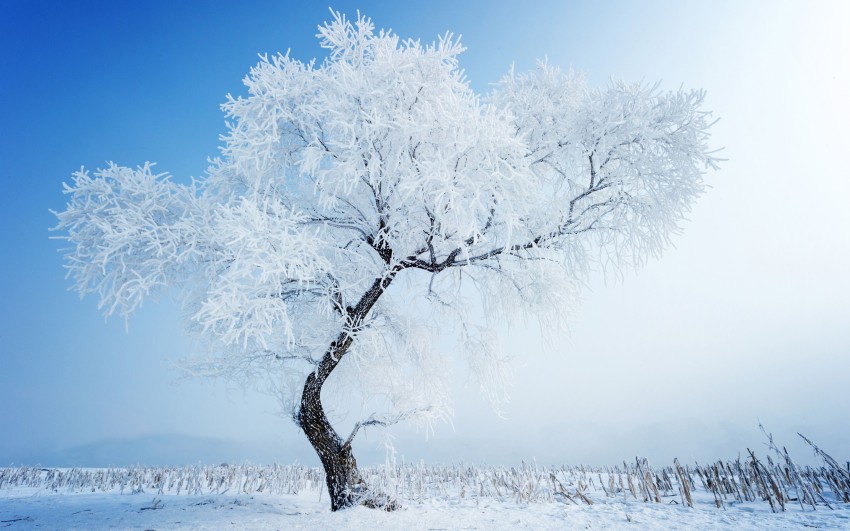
[{"x": 345, "y": 485}]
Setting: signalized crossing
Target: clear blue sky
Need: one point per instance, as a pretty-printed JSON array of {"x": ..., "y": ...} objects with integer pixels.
[{"x": 748, "y": 318}]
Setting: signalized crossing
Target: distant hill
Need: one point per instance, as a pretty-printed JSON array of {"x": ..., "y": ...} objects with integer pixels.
[{"x": 161, "y": 450}]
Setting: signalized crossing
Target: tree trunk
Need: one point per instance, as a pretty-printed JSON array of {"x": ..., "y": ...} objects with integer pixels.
[{"x": 345, "y": 486}]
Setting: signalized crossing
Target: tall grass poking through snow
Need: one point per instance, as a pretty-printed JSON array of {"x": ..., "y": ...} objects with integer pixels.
[
  {"x": 752, "y": 479},
  {"x": 191, "y": 480}
]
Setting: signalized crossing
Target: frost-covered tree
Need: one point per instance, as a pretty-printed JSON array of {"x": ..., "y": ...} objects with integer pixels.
[{"x": 352, "y": 194}]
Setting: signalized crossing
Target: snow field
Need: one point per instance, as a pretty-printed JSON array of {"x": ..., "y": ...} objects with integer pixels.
[{"x": 749, "y": 494}]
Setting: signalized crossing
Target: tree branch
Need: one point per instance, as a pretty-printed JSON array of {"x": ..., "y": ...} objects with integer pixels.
[{"x": 384, "y": 422}]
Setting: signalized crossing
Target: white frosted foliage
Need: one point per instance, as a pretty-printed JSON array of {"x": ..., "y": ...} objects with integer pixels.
[{"x": 380, "y": 173}]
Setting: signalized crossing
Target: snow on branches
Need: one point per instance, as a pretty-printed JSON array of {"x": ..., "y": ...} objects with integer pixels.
[{"x": 335, "y": 179}]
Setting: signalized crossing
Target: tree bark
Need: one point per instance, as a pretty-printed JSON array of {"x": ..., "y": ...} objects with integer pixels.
[{"x": 346, "y": 487}]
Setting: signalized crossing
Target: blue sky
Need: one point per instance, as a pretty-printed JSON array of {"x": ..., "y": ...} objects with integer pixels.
[{"x": 746, "y": 319}]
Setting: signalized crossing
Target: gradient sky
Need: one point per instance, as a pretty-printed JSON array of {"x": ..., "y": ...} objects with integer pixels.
[{"x": 746, "y": 319}]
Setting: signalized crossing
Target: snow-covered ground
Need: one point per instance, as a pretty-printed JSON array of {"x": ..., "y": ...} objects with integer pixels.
[
  {"x": 28, "y": 508},
  {"x": 756, "y": 493}
]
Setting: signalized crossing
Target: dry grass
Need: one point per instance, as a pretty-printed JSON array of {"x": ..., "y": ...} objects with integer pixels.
[{"x": 753, "y": 479}]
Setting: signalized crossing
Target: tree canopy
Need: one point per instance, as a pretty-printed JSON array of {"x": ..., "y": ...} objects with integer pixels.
[{"x": 338, "y": 179}]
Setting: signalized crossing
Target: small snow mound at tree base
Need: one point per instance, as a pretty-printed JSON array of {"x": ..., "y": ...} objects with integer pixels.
[{"x": 382, "y": 502}]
